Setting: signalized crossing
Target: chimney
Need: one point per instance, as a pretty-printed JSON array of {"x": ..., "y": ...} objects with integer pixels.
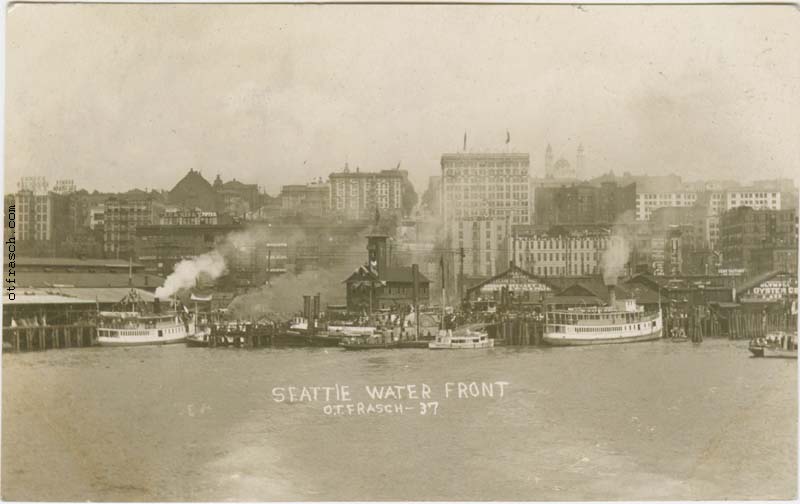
[
  {"x": 156, "y": 306},
  {"x": 612, "y": 295}
]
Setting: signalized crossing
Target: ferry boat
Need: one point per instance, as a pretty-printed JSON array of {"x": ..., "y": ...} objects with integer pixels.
[
  {"x": 776, "y": 345},
  {"x": 621, "y": 321},
  {"x": 463, "y": 338},
  {"x": 135, "y": 327}
]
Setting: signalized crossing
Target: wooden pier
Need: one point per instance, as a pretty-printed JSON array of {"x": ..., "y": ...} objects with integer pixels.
[
  {"x": 26, "y": 339},
  {"x": 517, "y": 331},
  {"x": 246, "y": 336}
]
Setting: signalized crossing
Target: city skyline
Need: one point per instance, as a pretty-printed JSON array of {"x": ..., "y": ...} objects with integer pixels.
[{"x": 302, "y": 98}]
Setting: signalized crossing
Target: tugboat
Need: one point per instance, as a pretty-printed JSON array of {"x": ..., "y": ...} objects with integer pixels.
[
  {"x": 300, "y": 335},
  {"x": 777, "y": 344},
  {"x": 131, "y": 325},
  {"x": 619, "y": 322}
]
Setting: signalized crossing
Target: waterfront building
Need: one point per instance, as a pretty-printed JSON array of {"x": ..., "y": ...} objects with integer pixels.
[
  {"x": 771, "y": 289},
  {"x": 40, "y": 216},
  {"x": 236, "y": 198},
  {"x": 512, "y": 286},
  {"x": 123, "y": 214},
  {"x": 487, "y": 185},
  {"x": 648, "y": 202},
  {"x": 97, "y": 216},
  {"x": 357, "y": 195},
  {"x": 559, "y": 251},
  {"x": 484, "y": 242},
  {"x": 160, "y": 246},
  {"x": 73, "y": 273},
  {"x": 311, "y": 199},
  {"x": 181, "y": 216},
  {"x": 582, "y": 203},
  {"x": 378, "y": 285},
  {"x": 749, "y": 237},
  {"x": 717, "y": 197}
]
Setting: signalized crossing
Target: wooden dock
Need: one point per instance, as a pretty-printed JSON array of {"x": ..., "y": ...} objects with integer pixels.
[
  {"x": 27, "y": 339},
  {"x": 246, "y": 336}
]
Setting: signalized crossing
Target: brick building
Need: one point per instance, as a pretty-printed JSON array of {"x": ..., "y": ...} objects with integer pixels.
[
  {"x": 356, "y": 195},
  {"x": 377, "y": 285},
  {"x": 754, "y": 240}
]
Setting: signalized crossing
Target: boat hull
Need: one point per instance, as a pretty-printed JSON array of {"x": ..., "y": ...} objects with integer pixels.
[
  {"x": 412, "y": 344},
  {"x": 435, "y": 345},
  {"x": 562, "y": 339},
  {"x": 121, "y": 341},
  {"x": 774, "y": 353},
  {"x": 298, "y": 339},
  {"x": 368, "y": 346}
]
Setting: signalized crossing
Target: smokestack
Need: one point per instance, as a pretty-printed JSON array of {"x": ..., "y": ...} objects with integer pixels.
[
  {"x": 156, "y": 306},
  {"x": 307, "y": 307},
  {"x": 612, "y": 295}
]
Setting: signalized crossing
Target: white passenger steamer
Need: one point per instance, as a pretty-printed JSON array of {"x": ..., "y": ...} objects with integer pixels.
[
  {"x": 131, "y": 325},
  {"x": 460, "y": 339},
  {"x": 621, "y": 321}
]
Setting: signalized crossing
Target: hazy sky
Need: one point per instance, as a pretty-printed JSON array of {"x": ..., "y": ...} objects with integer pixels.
[{"x": 122, "y": 96}]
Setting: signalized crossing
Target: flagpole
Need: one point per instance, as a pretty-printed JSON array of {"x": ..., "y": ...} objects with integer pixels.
[{"x": 443, "y": 290}]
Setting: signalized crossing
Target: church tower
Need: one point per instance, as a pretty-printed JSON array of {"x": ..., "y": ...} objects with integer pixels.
[
  {"x": 548, "y": 162},
  {"x": 579, "y": 165}
]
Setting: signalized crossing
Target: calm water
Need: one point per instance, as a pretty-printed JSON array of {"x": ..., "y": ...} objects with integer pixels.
[{"x": 643, "y": 421}]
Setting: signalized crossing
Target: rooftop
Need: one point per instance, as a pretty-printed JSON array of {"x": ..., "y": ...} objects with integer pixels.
[{"x": 73, "y": 262}]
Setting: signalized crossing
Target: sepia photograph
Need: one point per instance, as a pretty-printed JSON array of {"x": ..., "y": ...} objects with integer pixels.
[{"x": 400, "y": 252}]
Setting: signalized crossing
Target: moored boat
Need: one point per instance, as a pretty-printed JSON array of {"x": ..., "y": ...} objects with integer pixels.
[
  {"x": 465, "y": 338},
  {"x": 621, "y": 321},
  {"x": 775, "y": 345},
  {"x": 135, "y": 326}
]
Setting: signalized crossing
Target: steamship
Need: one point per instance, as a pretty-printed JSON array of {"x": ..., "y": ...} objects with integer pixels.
[
  {"x": 130, "y": 324},
  {"x": 622, "y": 321}
]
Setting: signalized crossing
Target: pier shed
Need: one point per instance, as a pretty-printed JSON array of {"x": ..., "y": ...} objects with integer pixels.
[
  {"x": 521, "y": 287},
  {"x": 774, "y": 290},
  {"x": 33, "y": 308}
]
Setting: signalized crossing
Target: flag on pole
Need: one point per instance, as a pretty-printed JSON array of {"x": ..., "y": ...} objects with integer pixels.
[
  {"x": 398, "y": 164},
  {"x": 508, "y": 137}
]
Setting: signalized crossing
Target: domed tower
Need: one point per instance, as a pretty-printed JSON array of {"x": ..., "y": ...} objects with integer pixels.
[
  {"x": 562, "y": 169},
  {"x": 579, "y": 165},
  {"x": 548, "y": 162}
]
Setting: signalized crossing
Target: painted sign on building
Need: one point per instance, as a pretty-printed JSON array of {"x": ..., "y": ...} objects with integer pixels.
[
  {"x": 515, "y": 281},
  {"x": 774, "y": 289}
]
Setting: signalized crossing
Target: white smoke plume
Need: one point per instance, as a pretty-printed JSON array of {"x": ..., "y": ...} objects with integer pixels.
[
  {"x": 616, "y": 256},
  {"x": 212, "y": 264}
]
